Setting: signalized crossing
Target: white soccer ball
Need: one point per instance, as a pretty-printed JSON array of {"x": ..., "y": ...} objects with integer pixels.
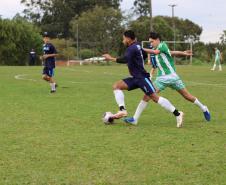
[{"x": 107, "y": 118}]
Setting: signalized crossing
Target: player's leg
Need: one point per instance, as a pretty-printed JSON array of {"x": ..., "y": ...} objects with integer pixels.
[
  {"x": 52, "y": 83},
  {"x": 167, "y": 105},
  {"x": 219, "y": 64},
  {"x": 118, "y": 88},
  {"x": 45, "y": 77},
  {"x": 48, "y": 74},
  {"x": 149, "y": 91},
  {"x": 160, "y": 85},
  {"x": 144, "y": 102},
  {"x": 45, "y": 74},
  {"x": 184, "y": 92},
  {"x": 214, "y": 66}
]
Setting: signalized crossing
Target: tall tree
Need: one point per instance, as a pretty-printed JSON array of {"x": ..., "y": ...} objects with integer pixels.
[
  {"x": 17, "y": 38},
  {"x": 142, "y": 7},
  {"x": 55, "y": 15},
  {"x": 163, "y": 25},
  {"x": 99, "y": 28}
]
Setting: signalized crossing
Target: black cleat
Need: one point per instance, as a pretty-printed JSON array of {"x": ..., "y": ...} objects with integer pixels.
[
  {"x": 52, "y": 91},
  {"x": 56, "y": 85}
]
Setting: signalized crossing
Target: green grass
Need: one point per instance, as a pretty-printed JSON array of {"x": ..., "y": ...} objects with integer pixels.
[{"x": 59, "y": 139}]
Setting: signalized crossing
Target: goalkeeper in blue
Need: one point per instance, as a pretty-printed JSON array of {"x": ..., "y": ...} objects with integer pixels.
[{"x": 167, "y": 77}]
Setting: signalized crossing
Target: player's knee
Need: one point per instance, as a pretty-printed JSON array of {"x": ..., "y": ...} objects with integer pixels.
[
  {"x": 45, "y": 78},
  {"x": 154, "y": 97},
  {"x": 146, "y": 98},
  {"x": 116, "y": 86}
]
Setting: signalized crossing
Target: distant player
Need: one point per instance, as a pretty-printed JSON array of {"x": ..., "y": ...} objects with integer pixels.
[
  {"x": 167, "y": 77},
  {"x": 49, "y": 62},
  {"x": 134, "y": 58},
  {"x": 32, "y": 57},
  {"x": 217, "y": 60}
]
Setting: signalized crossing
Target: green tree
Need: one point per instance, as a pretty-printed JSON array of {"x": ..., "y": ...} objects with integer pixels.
[
  {"x": 17, "y": 38},
  {"x": 65, "y": 48},
  {"x": 163, "y": 25},
  {"x": 55, "y": 15},
  {"x": 142, "y": 7},
  {"x": 142, "y": 28},
  {"x": 99, "y": 28}
]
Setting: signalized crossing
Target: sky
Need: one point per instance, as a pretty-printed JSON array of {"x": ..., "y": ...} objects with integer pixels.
[{"x": 209, "y": 14}]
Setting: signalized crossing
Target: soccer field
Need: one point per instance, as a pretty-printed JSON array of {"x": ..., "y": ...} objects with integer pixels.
[{"x": 60, "y": 139}]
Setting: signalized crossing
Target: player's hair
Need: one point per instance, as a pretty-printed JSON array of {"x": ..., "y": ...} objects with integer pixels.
[
  {"x": 130, "y": 34},
  {"x": 154, "y": 35}
]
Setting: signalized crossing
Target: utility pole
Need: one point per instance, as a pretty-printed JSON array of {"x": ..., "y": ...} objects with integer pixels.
[
  {"x": 150, "y": 10},
  {"x": 77, "y": 41},
  {"x": 174, "y": 26}
]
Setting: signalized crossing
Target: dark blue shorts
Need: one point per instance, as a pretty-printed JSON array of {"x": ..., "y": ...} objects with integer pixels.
[
  {"x": 143, "y": 83},
  {"x": 48, "y": 71}
]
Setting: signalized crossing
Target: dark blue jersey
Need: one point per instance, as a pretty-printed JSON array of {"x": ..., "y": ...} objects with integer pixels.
[
  {"x": 48, "y": 48},
  {"x": 134, "y": 57},
  {"x": 153, "y": 59}
]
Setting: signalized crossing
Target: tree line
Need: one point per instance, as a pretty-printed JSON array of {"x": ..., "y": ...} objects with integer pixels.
[{"x": 85, "y": 28}]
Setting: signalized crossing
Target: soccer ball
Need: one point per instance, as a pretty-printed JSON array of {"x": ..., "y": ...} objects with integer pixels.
[{"x": 107, "y": 118}]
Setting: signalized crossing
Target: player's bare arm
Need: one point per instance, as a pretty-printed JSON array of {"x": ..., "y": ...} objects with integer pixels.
[
  {"x": 151, "y": 51},
  {"x": 114, "y": 59},
  {"x": 181, "y": 53},
  {"x": 49, "y": 55}
]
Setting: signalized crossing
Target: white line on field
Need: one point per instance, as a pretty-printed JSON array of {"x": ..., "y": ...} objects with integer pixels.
[
  {"x": 23, "y": 77},
  {"x": 205, "y": 84},
  {"x": 86, "y": 71}
]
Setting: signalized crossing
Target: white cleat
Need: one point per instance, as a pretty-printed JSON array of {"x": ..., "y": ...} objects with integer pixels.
[
  {"x": 180, "y": 119},
  {"x": 120, "y": 114}
]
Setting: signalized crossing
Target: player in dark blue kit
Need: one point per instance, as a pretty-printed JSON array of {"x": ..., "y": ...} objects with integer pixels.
[
  {"x": 49, "y": 62},
  {"x": 134, "y": 58}
]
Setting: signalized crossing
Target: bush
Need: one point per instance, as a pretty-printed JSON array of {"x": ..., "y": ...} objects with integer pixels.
[
  {"x": 197, "y": 61},
  {"x": 86, "y": 53},
  {"x": 18, "y": 37}
]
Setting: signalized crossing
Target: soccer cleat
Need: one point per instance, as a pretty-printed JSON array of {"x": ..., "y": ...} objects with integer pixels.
[
  {"x": 130, "y": 120},
  {"x": 52, "y": 91},
  {"x": 120, "y": 114},
  {"x": 207, "y": 114},
  {"x": 56, "y": 85},
  {"x": 180, "y": 119}
]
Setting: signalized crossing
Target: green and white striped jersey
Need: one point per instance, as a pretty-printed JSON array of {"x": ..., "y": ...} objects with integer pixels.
[
  {"x": 164, "y": 60},
  {"x": 217, "y": 54}
]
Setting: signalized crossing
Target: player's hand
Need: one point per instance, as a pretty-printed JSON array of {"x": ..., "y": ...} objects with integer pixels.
[
  {"x": 107, "y": 57},
  {"x": 45, "y": 57},
  {"x": 188, "y": 52}
]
